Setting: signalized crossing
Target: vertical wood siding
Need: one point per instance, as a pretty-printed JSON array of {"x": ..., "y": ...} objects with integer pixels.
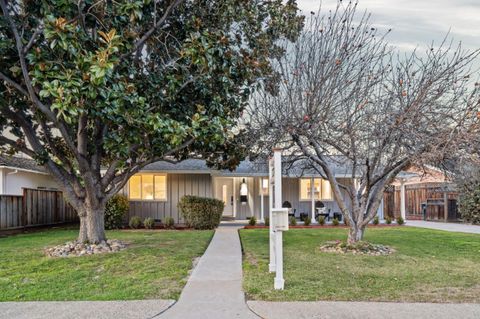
[{"x": 178, "y": 185}]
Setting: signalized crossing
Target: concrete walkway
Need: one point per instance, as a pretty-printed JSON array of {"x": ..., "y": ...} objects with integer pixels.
[
  {"x": 363, "y": 310},
  {"x": 453, "y": 227},
  {"x": 214, "y": 289},
  {"x": 132, "y": 309}
]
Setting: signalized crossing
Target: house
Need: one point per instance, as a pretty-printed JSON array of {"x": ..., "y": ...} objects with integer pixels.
[
  {"x": 157, "y": 189},
  {"x": 17, "y": 173}
]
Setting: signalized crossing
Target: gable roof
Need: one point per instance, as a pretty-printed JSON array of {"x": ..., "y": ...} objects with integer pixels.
[
  {"x": 246, "y": 168},
  {"x": 21, "y": 163}
]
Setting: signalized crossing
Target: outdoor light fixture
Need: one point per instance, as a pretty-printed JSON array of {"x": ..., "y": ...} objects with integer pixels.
[
  {"x": 265, "y": 183},
  {"x": 243, "y": 192}
]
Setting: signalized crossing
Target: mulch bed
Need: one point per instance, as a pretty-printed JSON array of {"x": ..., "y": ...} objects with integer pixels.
[{"x": 360, "y": 248}]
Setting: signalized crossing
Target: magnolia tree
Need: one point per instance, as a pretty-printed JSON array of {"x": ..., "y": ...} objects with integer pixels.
[
  {"x": 345, "y": 97},
  {"x": 95, "y": 90}
]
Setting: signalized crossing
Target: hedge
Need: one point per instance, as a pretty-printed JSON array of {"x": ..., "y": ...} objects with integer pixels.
[{"x": 201, "y": 212}]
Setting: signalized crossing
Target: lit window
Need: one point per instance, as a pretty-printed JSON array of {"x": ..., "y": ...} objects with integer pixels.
[
  {"x": 148, "y": 187},
  {"x": 321, "y": 189}
]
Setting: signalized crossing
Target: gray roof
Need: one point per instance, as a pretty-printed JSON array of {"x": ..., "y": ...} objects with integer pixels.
[
  {"x": 21, "y": 163},
  {"x": 245, "y": 168}
]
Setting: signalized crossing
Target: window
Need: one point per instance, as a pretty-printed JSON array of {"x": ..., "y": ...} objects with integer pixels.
[
  {"x": 148, "y": 187},
  {"x": 264, "y": 186},
  {"x": 321, "y": 189}
]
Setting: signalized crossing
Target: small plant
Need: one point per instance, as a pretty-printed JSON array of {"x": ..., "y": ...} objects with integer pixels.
[
  {"x": 267, "y": 221},
  {"x": 169, "y": 222},
  {"x": 321, "y": 220},
  {"x": 293, "y": 221},
  {"x": 388, "y": 220},
  {"x": 252, "y": 221},
  {"x": 307, "y": 221},
  {"x": 376, "y": 221},
  {"x": 135, "y": 222},
  {"x": 400, "y": 220},
  {"x": 335, "y": 222},
  {"x": 149, "y": 223}
]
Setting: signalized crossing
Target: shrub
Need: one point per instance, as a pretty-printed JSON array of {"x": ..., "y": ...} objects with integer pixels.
[
  {"x": 293, "y": 221},
  {"x": 267, "y": 221},
  {"x": 115, "y": 211},
  {"x": 469, "y": 202},
  {"x": 307, "y": 221},
  {"x": 252, "y": 221},
  {"x": 169, "y": 222},
  {"x": 335, "y": 222},
  {"x": 400, "y": 220},
  {"x": 321, "y": 220},
  {"x": 149, "y": 223},
  {"x": 135, "y": 222},
  {"x": 388, "y": 220},
  {"x": 201, "y": 212},
  {"x": 376, "y": 220}
]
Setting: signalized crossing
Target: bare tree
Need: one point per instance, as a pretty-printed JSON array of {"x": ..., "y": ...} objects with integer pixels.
[{"x": 344, "y": 93}]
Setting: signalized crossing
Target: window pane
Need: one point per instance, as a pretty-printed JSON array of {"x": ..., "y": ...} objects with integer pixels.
[
  {"x": 147, "y": 186},
  {"x": 317, "y": 184},
  {"x": 326, "y": 190},
  {"x": 135, "y": 191},
  {"x": 160, "y": 187},
  {"x": 305, "y": 189}
]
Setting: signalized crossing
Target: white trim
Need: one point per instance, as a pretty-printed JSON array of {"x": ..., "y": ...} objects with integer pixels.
[{"x": 24, "y": 170}]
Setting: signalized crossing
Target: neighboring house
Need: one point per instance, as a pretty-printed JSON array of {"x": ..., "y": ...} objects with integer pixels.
[
  {"x": 157, "y": 189},
  {"x": 17, "y": 173}
]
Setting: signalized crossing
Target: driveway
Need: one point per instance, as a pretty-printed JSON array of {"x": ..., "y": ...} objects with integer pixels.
[{"x": 453, "y": 227}]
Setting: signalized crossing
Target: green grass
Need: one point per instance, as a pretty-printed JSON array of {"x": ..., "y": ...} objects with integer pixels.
[
  {"x": 428, "y": 266},
  {"x": 155, "y": 265}
]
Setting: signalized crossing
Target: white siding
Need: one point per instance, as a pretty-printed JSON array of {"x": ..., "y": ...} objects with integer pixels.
[{"x": 14, "y": 181}]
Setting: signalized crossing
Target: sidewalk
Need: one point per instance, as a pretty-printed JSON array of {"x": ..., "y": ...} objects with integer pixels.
[
  {"x": 214, "y": 289},
  {"x": 452, "y": 227},
  {"x": 363, "y": 310}
]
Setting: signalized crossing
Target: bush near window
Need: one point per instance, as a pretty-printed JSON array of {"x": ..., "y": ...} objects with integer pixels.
[
  {"x": 135, "y": 222},
  {"x": 169, "y": 222},
  {"x": 115, "y": 211},
  {"x": 201, "y": 212},
  {"x": 252, "y": 221},
  {"x": 149, "y": 223}
]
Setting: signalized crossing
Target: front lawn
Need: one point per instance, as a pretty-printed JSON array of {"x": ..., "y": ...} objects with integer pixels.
[
  {"x": 428, "y": 266},
  {"x": 155, "y": 265}
]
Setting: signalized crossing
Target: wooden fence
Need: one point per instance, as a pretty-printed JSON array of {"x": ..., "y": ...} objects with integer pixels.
[
  {"x": 35, "y": 208},
  {"x": 423, "y": 201}
]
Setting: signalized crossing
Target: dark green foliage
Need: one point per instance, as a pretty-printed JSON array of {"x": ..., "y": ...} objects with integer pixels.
[
  {"x": 400, "y": 220},
  {"x": 376, "y": 220},
  {"x": 267, "y": 221},
  {"x": 335, "y": 222},
  {"x": 321, "y": 220},
  {"x": 135, "y": 222},
  {"x": 292, "y": 221},
  {"x": 149, "y": 223},
  {"x": 201, "y": 212},
  {"x": 115, "y": 211},
  {"x": 388, "y": 220},
  {"x": 307, "y": 221},
  {"x": 469, "y": 202},
  {"x": 169, "y": 222},
  {"x": 252, "y": 221}
]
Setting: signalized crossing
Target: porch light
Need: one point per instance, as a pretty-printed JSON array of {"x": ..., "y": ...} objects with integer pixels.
[{"x": 265, "y": 183}]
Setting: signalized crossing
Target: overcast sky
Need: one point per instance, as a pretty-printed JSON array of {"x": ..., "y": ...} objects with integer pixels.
[{"x": 416, "y": 23}]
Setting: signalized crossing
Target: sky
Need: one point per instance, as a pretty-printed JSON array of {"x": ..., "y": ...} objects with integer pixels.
[{"x": 416, "y": 23}]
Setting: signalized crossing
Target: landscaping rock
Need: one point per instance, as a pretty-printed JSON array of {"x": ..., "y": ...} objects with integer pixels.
[
  {"x": 360, "y": 248},
  {"x": 72, "y": 249}
]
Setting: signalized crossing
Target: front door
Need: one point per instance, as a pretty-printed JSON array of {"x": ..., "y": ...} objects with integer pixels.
[{"x": 224, "y": 192}]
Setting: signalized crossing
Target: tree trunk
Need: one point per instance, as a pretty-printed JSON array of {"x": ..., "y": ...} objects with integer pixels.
[
  {"x": 92, "y": 225},
  {"x": 355, "y": 234}
]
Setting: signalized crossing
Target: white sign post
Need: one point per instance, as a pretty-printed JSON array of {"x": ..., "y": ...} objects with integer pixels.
[
  {"x": 279, "y": 219},
  {"x": 271, "y": 265}
]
